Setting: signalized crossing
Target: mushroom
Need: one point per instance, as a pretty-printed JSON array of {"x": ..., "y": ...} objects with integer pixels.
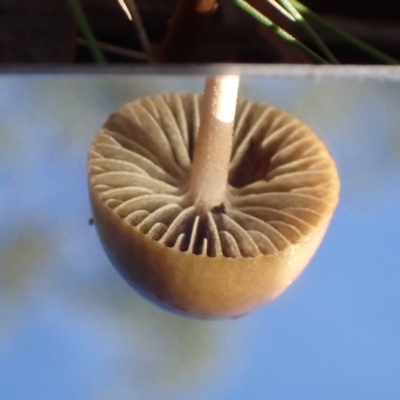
[{"x": 206, "y": 222}]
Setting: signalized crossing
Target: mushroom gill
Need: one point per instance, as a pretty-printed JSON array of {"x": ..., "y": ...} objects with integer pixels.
[{"x": 282, "y": 191}]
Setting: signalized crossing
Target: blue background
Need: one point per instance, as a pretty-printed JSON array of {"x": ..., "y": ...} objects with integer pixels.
[{"x": 71, "y": 327}]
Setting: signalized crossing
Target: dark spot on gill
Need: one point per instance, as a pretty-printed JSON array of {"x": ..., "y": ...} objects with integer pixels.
[{"x": 221, "y": 209}]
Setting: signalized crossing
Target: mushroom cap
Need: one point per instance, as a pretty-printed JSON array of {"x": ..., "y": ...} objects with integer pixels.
[{"x": 282, "y": 191}]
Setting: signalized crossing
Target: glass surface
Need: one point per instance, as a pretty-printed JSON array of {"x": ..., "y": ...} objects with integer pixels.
[{"x": 72, "y": 328}]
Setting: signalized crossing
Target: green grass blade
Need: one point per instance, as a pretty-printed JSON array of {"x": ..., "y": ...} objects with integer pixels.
[
  {"x": 87, "y": 31},
  {"x": 279, "y": 31},
  {"x": 350, "y": 39},
  {"x": 287, "y": 4}
]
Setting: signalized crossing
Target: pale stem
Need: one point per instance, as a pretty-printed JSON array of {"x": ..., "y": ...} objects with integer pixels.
[{"x": 209, "y": 174}]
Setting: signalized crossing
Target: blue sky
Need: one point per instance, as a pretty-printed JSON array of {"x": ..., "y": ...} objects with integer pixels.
[{"x": 72, "y": 328}]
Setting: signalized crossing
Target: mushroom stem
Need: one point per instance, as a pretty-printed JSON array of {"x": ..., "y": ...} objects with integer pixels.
[{"x": 209, "y": 174}]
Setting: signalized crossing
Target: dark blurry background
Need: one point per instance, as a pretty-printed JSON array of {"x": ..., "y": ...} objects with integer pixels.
[{"x": 44, "y": 31}]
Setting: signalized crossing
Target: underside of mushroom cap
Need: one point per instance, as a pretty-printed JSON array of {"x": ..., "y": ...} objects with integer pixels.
[{"x": 283, "y": 188}]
